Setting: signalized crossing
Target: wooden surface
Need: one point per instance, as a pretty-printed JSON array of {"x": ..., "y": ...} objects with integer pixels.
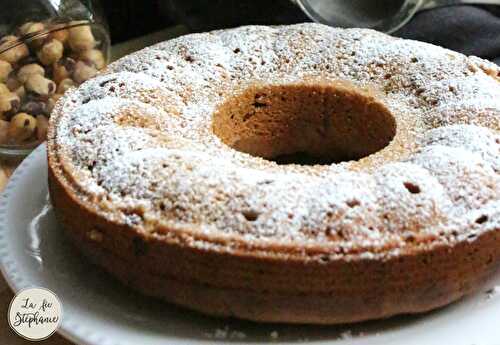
[{"x": 7, "y": 336}]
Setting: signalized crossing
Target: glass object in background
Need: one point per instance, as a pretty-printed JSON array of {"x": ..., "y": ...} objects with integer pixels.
[
  {"x": 203, "y": 15},
  {"x": 383, "y": 15},
  {"x": 46, "y": 47}
]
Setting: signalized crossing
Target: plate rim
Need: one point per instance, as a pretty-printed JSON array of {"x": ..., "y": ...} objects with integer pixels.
[{"x": 8, "y": 267}]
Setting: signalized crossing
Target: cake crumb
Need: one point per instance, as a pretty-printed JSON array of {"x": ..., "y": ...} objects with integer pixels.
[{"x": 274, "y": 335}]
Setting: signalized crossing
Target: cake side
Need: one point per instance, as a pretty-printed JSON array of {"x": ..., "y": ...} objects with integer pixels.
[{"x": 278, "y": 289}]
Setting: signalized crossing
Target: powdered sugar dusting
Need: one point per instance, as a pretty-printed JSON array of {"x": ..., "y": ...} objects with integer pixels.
[{"x": 138, "y": 141}]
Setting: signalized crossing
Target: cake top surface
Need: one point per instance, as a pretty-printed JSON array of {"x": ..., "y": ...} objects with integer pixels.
[{"x": 137, "y": 144}]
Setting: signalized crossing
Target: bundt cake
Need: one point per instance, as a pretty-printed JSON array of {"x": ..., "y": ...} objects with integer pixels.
[{"x": 302, "y": 174}]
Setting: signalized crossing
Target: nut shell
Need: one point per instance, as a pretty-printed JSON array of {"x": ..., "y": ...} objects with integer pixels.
[
  {"x": 40, "y": 85},
  {"x": 32, "y": 28},
  {"x": 83, "y": 72},
  {"x": 15, "y": 53},
  {"x": 9, "y": 102},
  {"x": 64, "y": 85},
  {"x": 94, "y": 57},
  {"x": 51, "y": 52},
  {"x": 5, "y": 69},
  {"x": 21, "y": 127},
  {"x": 4, "y": 89},
  {"x": 35, "y": 108},
  {"x": 81, "y": 38},
  {"x": 59, "y": 34},
  {"x": 28, "y": 70}
]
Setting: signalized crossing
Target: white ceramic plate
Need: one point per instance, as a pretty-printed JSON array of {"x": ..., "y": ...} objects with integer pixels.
[{"x": 99, "y": 311}]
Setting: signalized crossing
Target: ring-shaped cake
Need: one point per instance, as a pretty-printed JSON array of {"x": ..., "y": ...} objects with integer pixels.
[{"x": 299, "y": 173}]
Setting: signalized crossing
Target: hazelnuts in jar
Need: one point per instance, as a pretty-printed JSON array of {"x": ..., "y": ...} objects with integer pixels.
[
  {"x": 51, "y": 52},
  {"x": 9, "y": 102},
  {"x": 31, "y": 28},
  {"x": 42, "y": 62},
  {"x": 26, "y": 71},
  {"x": 21, "y": 127},
  {"x": 60, "y": 33},
  {"x": 39, "y": 85},
  {"x": 93, "y": 57},
  {"x": 16, "y": 49},
  {"x": 5, "y": 69},
  {"x": 80, "y": 37},
  {"x": 63, "y": 69},
  {"x": 83, "y": 72},
  {"x": 64, "y": 85}
]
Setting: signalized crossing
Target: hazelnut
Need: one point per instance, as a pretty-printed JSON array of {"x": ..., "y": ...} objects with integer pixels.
[
  {"x": 4, "y": 131},
  {"x": 64, "y": 85},
  {"x": 28, "y": 70},
  {"x": 34, "y": 108},
  {"x": 42, "y": 124},
  {"x": 12, "y": 83},
  {"x": 20, "y": 91},
  {"x": 40, "y": 85},
  {"x": 93, "y": 57},
  {"x": 5, "y": 69},
  {"x": 63, "y": 69},
  {"x": 31, "y": 29},
  {"x": 9, "y": 102},
  {"x": 81, "y": 37},
  {"x": 83, "y": 72},
  {"x": 15, "y": 53},
  {"x": 51, "y": 103},
  {"x": 59, "y": 33},
  {"x": 4, "y": 89},
  {"x": 50, "y": 52},
  {"x": 21, "y": 127}
]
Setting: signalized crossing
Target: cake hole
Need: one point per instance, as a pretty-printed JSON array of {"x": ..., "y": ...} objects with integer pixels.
[
  {"x": 305, "y": 124},
  {"x": 482, "y": 219},
  {"x": 412, "y": 188}
]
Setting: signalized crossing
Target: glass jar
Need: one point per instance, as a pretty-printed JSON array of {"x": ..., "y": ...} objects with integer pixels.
[{"x": 46, "y": 47}]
